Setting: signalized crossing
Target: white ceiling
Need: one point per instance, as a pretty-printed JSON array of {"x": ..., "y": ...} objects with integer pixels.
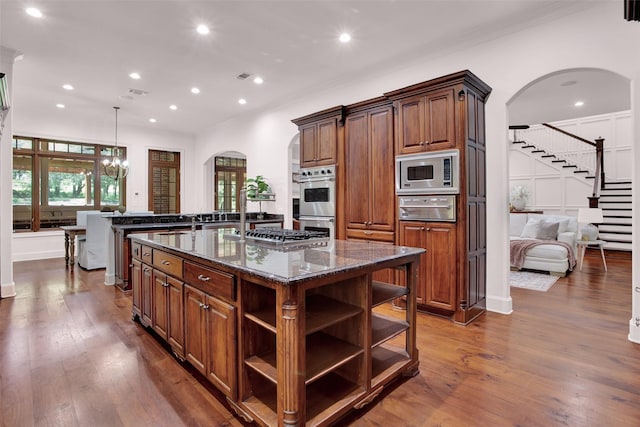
[{"x": 293, "y": 45}]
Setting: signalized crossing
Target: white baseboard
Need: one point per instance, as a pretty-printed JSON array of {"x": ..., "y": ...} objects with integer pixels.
[
  {"x": 8, "y": 290},
  {"x": 32, "y": 256},
  {"x": 500, "y": 305},
  {"x": 634, "y": 330}
]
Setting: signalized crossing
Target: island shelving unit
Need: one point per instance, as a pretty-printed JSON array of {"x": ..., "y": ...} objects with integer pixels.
[{"x": 291, "y": 337}]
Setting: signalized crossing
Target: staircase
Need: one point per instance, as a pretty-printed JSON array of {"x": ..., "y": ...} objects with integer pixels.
[
  {"x": 615, "y": 201},
  {"x": 615, "y": 197}
]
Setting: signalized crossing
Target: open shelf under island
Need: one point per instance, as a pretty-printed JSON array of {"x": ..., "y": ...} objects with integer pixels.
[{"x": 291, "y": 337}]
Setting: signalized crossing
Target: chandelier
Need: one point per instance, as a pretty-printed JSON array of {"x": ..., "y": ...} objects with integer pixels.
[{"x": 116, "y": 168}]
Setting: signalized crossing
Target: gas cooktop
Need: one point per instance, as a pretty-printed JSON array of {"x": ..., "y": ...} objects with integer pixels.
[{"x": 282, "y": 237}]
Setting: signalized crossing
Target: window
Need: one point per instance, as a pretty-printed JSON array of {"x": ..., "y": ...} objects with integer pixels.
[
  {"x": 52, "y": 180},
  {"x": 164, "y": 182},
  {"x": 230, "y": 176}
]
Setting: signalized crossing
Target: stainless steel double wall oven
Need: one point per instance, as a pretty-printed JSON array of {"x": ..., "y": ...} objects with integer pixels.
[{"x": 318, "y": 199}]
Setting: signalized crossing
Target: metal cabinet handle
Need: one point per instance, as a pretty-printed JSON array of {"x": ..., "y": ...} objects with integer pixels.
[
  {"x": 147, "y": 269},
  {"x": 146, "y": 254},
  {"x": 368, "y": 233},
  {"x": 422, "y": 228},
  {"x": 204, "y": 306},
  {"x": 204, "y": 278},
  {"x": 165, "y": 262},
  {"x": 165, "y": 284}
]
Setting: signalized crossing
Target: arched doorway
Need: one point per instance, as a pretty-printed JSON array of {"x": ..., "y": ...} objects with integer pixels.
[{"x": 589, "y": 102}]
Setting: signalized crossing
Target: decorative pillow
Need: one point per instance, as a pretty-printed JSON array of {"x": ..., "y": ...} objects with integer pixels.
[
  {"x": 530, "y": 229},
  {"x": 563, "y": 225},
  {"x": 548, "y": 230}
]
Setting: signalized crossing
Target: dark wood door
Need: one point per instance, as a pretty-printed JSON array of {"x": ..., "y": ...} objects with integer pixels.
[
  {"x": 410, "y": 130},
  {"x": 160, "y": 304},
  {"x": 136, "y": 285},
  {"x": 195, "y": 328},
  {"x": 175, "y": 329},
  {"x": 147, "y": 296},
  {"x": 357, "y": 189},
  {"x": 440, "y": 120},
  {"x": 381, "y": 170},
  {"x": 308, "y": 145},
  {"x": 369, "y": 180},
  {"x": 164, "y": 182},
  {"x": 441, "y": 265},
  {"x": 414, "y": 234},
  {"x": 221, "y": 345},
  {"x": 327, "y": 142}
]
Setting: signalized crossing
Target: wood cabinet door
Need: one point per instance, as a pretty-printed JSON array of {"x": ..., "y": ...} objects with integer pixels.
[
  {"x": 195, "y": 328},
  {"x": 381, "y": 170},
  {"x": 221, "y": 345},
  {"x": 410, "y": 135},
  {"x": 327, "y": 142},
  {"x": 414, "y": 234},
  {"x": 175, "y": 329},
  {"x": 440, "y": 120},
  {"x": 357, "y": 188},
  {"x": 136, "y": 285},
  {"x": 308, "y": 145},
  {"x": 160, "y": 305},
  {"x": 441, "y": 265},
  {"x": 147, "y": 296}
]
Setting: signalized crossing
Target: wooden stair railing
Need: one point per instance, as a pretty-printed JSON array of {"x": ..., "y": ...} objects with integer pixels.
[{"x": 598, "y": 183}]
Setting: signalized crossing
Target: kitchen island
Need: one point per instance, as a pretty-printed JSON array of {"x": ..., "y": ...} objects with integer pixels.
[{"x": 292, "y": 336}]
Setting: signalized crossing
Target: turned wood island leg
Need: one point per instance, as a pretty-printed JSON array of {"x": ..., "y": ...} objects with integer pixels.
[{"x": 290, "y": 356}]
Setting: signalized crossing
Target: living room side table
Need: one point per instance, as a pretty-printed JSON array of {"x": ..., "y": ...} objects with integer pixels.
[{"x": 584, "y": 244}]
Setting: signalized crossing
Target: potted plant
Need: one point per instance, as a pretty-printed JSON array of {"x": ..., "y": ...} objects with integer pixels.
[{"x": 258, "y": 190}]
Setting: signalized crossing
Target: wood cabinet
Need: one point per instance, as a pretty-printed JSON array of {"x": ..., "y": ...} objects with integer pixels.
[
  {"x": 369, "y": 173},
  {"x": 437, "y": 275},
  {"x": 210, "y": 338},
  {"x": 426, "y": 122},
  {"x": 319, "y": 135},
  {"x": 168, "y": 308}
]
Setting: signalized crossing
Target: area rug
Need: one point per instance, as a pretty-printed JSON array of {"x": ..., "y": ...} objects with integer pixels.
[{"x": 533, "y": 281}]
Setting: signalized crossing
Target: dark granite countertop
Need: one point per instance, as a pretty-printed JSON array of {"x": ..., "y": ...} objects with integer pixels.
[
  {"x": 270, "y": 262},
  {"x": 215, "y": 220}
]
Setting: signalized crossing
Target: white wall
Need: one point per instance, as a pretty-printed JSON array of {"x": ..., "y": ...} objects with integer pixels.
[{"x": 597, "y": 37}]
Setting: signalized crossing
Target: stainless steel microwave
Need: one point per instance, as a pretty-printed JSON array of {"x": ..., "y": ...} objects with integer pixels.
[{"x": 428, "y": 173}]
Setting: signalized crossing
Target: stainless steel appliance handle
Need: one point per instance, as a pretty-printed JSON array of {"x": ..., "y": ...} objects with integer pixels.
[
  {"x": 316, "y": 218},
  {"x": 425, "y": 206}
]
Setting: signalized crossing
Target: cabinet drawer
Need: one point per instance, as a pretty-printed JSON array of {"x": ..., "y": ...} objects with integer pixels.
[
  {"x": 145, "y": 254},
  {"x": 380, "y": 236},
  {"x": 136, "y": 250},
  {"x": 213, "y": 282},
  {"x": 168, "y": 263}
]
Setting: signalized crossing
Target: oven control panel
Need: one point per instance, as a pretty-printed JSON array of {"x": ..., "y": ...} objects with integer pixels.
[{"x": 318, "y": 173}]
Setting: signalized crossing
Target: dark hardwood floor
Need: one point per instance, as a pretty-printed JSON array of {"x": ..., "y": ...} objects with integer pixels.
[{"x": 70, "y": 355}]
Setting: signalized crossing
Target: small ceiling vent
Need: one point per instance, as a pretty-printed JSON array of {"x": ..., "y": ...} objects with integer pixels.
[
  {"x": 243, "y": 76},
  {"x": 137, "y": 92}
]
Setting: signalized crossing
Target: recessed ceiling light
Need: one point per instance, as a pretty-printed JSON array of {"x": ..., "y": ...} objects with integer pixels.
[
  {"x": 242, "y": 101},
  {"x": 579, "y": 104},
  {"x": 173, "y": 107},
  {"x": 67, "y": 87},
  {"x": 60, "y": 105},
  {"x": 152, "y": 120},
  {"x": 202, "y": 29},
  {"x": 195, "y": 90},
  {"x": 258, "y": 80},
  {"x": 32, "y": 11},
  {"x": 135, "y": 76},
  {"x": 345, "y": 37}
]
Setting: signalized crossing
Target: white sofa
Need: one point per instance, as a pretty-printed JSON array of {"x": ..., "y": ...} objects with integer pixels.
[{"x": 551, "y": 258}]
